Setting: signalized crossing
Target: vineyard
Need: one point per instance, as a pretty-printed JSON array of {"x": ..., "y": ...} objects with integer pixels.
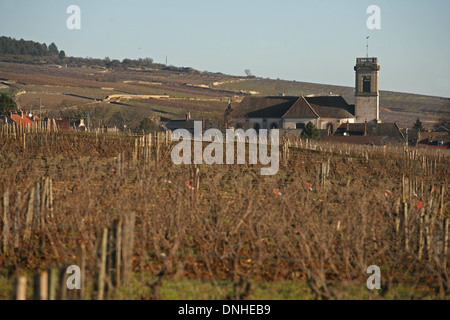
[{"x": 136, "y": 224}]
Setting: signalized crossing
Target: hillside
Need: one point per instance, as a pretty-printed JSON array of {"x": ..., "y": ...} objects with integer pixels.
[{"x": 81, "y": 85}]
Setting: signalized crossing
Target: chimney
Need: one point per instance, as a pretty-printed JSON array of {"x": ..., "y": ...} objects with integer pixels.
[{"x": 365, "y": 128}]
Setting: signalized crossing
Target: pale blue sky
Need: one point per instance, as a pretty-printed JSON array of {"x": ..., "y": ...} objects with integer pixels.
[{"x": 303, "y": 40}]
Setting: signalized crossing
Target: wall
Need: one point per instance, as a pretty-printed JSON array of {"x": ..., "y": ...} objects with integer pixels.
[
  {"x": 323, "y": 122},
  {"x": 278, "y": 122},
  {"x": 292, "y": 123},
  {"x": 367, "y": 108}
]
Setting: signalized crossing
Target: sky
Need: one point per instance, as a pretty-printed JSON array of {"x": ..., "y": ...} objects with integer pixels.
[{"x": 304, "y": 40}]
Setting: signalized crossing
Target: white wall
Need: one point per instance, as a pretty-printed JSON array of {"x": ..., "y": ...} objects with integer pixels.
[
  {"x": 323, "y": 122},
  {"x": 292, "y": 123},
  {"x": 253, "y": 121},
  {"x": 278, "y": 122}
]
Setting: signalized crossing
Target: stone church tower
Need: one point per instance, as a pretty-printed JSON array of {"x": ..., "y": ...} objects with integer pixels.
[{"x": 367, "y": 97}]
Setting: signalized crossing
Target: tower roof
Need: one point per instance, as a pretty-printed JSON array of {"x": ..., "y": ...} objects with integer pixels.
[{"x": 367, "y": 64}]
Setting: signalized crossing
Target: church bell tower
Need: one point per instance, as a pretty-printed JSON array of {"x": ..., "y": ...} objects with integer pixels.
[{"x": 367, "y": 96}]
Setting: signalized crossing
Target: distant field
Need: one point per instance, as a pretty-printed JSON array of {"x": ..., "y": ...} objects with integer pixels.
[{"x": 203, "y": 94}]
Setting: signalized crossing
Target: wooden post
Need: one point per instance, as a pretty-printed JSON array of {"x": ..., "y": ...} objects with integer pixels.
[
  {"x": 37, "y": 207},
  {"x": 196, "y": 184},
  {"x": 397, "y": 216},
  {"x": 157, "y": 142},
  {"x": 21, "y": 289},
  {"x": 42, "y": 286},
  {"x": 135, "y": 154},
  {"x": 29, "y": 217},
  {"x": 118, "y": 251},
  {"x": 43, "y": 199},
  {"x": 405, "y": 190},
  {"x": 442, "y": 204},
  {"x": 102, "y": 273},
  {"x": 63, "y": 284},
  {"x": 119, "y": 163},
  {"x": 53, "y": 283},
  {"x": 285, "y": 152},
  {"x": 421, "y": 233},
  {"x": 127, "y": 246},
  {"x": 81, "y": 260},
  {"x": 17, "y": 220},
  {"x": 149, "y": 147},
  {"x": 50, "y": 197},
  {"x": 445, "y": 251},
  {"x": 123, "y": 161},
  {"x": 428, "y": 235},
  {"x": 406, "y": 224},
  {"x": 5, "y": 222}
]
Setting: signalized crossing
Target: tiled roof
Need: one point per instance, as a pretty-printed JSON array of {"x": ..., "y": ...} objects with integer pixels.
[
  {"x": 331, "y": 107},
  {"x": 414, "y": 135},
  {"x": 442, "y": 129},
  {"x": 182, "y": 124},
  {"x": 264, "y": 107},
  {"x": 294, "y": 107},
  {"x": 389, "y": 131},
  {"x": 17, "y": 118}
]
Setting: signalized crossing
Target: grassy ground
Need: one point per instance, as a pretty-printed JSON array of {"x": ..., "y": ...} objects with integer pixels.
[{"x": 194, "y": 289}]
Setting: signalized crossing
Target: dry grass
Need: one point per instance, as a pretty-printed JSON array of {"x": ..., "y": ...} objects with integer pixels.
[{"x": 237, "y": 229}]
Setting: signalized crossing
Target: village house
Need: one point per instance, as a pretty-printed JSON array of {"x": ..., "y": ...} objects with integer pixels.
[
  {"x": 186, "y": 123},
  {"x": 438, "y": 138},
  {"x": 21, "y": 118},
  {"x": 368, "y": 133}
]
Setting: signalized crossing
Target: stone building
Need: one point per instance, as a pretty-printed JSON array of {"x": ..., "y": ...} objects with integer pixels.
[
  {"x": 325, "y": 112},
  {"x": 367, "y": 96}
]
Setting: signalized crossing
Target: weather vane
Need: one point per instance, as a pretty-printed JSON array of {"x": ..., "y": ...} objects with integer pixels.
[{"x": 367, "y": 38}]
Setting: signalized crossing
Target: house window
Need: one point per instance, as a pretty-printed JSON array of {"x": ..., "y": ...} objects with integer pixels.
[
  {"x": 257, "y": 126},
  {"x": 274, "y": 125},
  {"x": 300, "y": 126},
  {"x": 366, "y": 84}
]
